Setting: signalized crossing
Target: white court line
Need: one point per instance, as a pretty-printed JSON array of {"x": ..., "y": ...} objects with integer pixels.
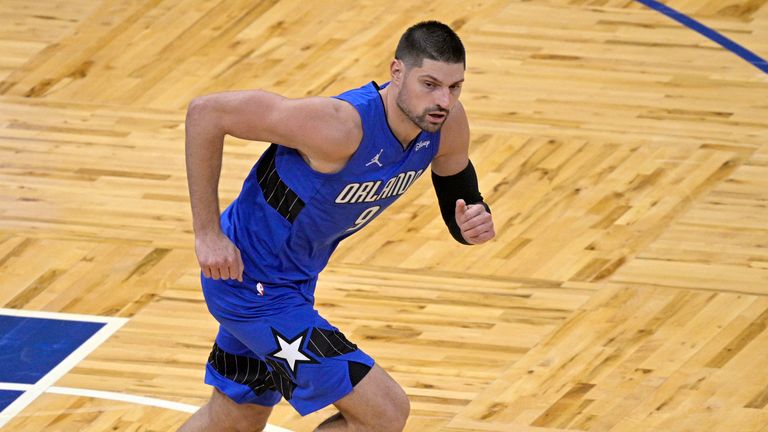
[
  {"x": 59, "y": 316},
  {"x": 98, "y": 394},
  {"x": 139, "y": 400},
  {"x": 45, "y": 384},
  {"x": 14, "y": 386},
  {"x": 121, "y": 397},
  {"x": 33, "y": 392}
]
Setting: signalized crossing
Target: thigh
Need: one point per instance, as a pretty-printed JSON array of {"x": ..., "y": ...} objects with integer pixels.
[
  {"x": 376, "y": 403},
  {"x": 225, "y": 411}
]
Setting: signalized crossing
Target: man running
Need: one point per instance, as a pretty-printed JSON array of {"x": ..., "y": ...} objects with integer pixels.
[{"x": 335, "y": 165}]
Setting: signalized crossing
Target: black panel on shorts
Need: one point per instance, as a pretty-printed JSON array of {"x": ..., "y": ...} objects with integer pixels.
[
  {"x": 277, "y": 194},
  {"x": 281, "y": 379},
  {"x": 329, "y": 343},
  {"x": 357, "y": 371},
  {"x": 242, "y": 370}
]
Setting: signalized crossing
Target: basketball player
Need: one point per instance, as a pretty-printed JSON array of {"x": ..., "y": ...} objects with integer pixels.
[{"x": 336, "y": 164}]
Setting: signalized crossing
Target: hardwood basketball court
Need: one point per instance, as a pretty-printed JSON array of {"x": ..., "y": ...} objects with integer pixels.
[{"x": 624, "y": 155}]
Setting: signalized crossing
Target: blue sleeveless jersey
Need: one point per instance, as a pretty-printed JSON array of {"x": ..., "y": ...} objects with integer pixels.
[{"x": 289, "y": 218}]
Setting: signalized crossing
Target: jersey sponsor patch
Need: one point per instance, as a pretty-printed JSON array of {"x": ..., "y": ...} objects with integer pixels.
[{"x": 421, "y": 144}]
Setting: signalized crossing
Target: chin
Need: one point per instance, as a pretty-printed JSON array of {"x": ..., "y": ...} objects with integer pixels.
[{"x": 431, "y": 128}]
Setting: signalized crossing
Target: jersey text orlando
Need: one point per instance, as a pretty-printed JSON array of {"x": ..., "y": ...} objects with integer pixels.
[{"x": 369, "y": 191}]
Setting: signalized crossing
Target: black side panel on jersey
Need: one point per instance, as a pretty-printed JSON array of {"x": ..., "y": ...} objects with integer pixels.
[
  {"x": 281, "y": 379},
  {"x": 277, "y": 194},
  {"x": 242, "y": 370},
  {"x": 329, "y": 343},
  {"x": 357, "y": 371}
]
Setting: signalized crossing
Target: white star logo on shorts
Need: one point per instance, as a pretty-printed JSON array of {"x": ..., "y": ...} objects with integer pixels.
[{"x": 290, "y": 350}]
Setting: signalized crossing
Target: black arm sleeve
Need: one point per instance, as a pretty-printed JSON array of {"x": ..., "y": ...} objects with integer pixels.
[{"x": 451, "y": 188}]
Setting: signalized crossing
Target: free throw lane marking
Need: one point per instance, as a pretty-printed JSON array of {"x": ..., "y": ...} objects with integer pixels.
[{"x": 31, "y": 393}]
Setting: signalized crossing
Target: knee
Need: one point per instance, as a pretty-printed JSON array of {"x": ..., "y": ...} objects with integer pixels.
[
  {"x": 402, "y": 409},
  {"x": 237, "y": 424},
  {"x": 378, "y": 404},
  {"x": 389, "y": 416},
  {"x": 397, "y": 412},
  {"x": 244, "y": 424},
  {"x": 249, "y": 427}
]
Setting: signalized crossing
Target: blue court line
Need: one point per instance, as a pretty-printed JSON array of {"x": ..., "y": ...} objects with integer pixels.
[{"x": 723, "y": 41}]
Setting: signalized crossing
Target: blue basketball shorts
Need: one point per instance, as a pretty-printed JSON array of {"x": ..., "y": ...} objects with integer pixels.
[{"x": 273, "y": 344}]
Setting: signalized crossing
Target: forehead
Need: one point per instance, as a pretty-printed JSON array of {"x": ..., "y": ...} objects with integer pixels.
[{"x": 446, "y": 73}]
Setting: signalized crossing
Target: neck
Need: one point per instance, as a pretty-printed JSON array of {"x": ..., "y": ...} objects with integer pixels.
[{"x": 403, "y": 128}]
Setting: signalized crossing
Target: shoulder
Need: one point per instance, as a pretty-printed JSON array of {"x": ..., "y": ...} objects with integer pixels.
[
  {"x": 321, "y": 127},
  {"x": 346, "y": 114},
  {"x": 346, "y": 127},
  {"x": 322, "y": 112}
]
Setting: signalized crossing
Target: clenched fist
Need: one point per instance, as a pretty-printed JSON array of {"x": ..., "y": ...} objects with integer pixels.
[
  {"x": 475, "y": 222},
  {"x": 219, "y": 258}
]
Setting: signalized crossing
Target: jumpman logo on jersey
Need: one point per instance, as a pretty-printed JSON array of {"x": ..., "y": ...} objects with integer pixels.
[{"x": 375, "y": 159}]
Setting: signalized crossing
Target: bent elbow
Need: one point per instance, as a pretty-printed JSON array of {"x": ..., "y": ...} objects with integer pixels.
[
  {"x": 202, "y": 114},
  {"x": 198, "y": 106}
]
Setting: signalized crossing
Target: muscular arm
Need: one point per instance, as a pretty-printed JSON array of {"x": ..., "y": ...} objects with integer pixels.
[
  {"x": 325, "y": 131},
  {"x": 468, "y": 218},
  {"x": 203, "y": 150},
  {"x": 454, "y": 144}
]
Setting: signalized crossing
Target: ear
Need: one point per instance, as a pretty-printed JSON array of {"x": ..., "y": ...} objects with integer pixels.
[{"x": 397, "y": 69}]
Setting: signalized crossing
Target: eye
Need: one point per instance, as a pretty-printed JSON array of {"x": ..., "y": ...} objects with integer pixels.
[{"x": 429, "y": 85}]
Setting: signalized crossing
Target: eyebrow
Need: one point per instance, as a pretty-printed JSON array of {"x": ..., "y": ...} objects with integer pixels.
[{"x": 428, "y": 76}]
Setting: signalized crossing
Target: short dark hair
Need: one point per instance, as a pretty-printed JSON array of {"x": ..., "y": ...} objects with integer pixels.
[{"x": 431, "y": 40}]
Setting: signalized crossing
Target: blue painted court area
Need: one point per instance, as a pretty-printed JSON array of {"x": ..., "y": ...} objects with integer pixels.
[
  {"x": 37, "y": 348},
  {"x": 7, "y": 397},
  {"x": 31, "y": 347}
]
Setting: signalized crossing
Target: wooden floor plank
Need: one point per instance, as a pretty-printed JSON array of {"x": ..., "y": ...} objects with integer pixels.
[{"x": 624, "y": 156}]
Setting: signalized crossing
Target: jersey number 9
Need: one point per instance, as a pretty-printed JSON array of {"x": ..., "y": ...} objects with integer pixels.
[{"x": 365, "y": 216}]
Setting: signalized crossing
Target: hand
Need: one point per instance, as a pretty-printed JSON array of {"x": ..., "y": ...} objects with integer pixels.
[
  {"x": 475, "y": 222},
  {"x": 219, "y": 258}
]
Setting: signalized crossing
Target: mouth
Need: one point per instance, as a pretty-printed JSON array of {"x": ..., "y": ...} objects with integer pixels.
[{"x": 436, "y": 117}]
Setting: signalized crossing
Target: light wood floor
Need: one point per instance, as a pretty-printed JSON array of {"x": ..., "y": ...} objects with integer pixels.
[{"x": 624, "y": 155}]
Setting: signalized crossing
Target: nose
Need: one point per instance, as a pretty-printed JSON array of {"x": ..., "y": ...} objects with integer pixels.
[{"x": 443, "y": 98}]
